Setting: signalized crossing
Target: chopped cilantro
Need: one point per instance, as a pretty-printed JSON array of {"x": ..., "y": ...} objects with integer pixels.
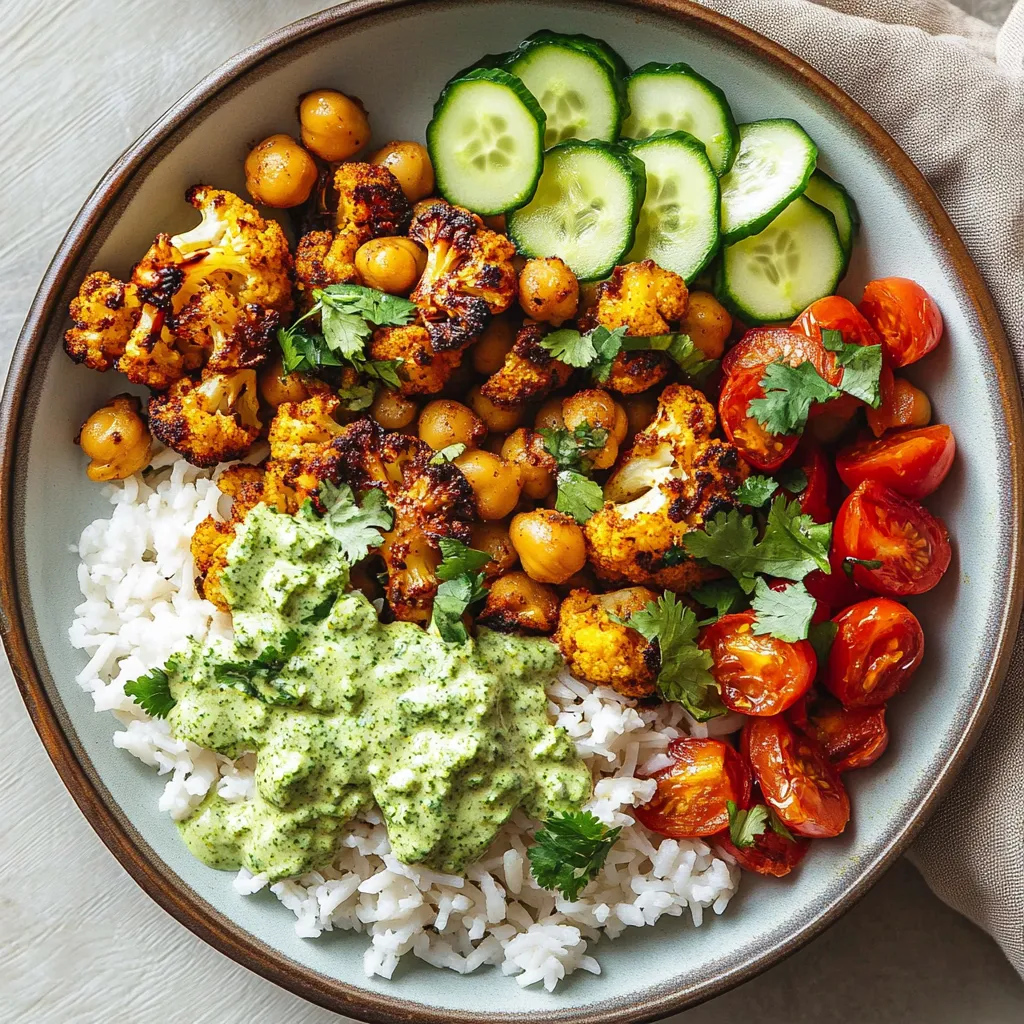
[
  {"x": 355, "y": 529},
  {"x": 868, "y": 563},
  {"x": 822, "y": 635},
  {"x": 776, "y": 825},
  {"x": 674, "y": 555},
  {"x": 792, "y": 479},
  {"x": 784, "y": 613},
  {"x": 454, "y": 596},
  {"x": 569, "y": 448},
  {"x": 862, "y": 367},
  {"x": 746, "y": 825},
  {"x": 447, "y": 454},
  {"x": 153, "y": 691},
  {"x": 356, "y": 398},
  {"x": 384, "y": 370},
  {"x": 789, "y": 392},
  {"x": 679, "y": 348},
  {"x": 303, "y": 351},
  {"x": 756, "y": 490},
  {"x": 259, "y": 678},
  {"x": 320, "y": 610},
  {"x": 722, "y": 596},
  {"x": 578, "y": 496},
  {"x": 458, "y": 558},
  {"x": 569, "y": 851}
]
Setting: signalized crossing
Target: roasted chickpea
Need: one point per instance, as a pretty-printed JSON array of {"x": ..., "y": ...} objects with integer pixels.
[
  {"x": 640, "y": 410},
  {"x": 905, "y": 406},
  {"x": 548, "y": 290},
  {"x": 116, "y": 440},
  {"x": 278, "y": 387},
  {"x": 410, "y": 163},
  {"x": 279, "y": 172},
  {"x": 526, "y": 449},
  {"x": 495, "y": 343},
  {"x": 598, "y": 409},
  {"x": 392, "y": 410},
  {"x": 495, "y": 483},
  {"x": 549, "y": 415},
  {"x": 494, "y": 539},
  {"x": 708, "y": 324},
  {"x": 334, "y": 126},
  {"x": 516, "y": 602},
  {"x": 392, "y": 265},
  {"x": 549, "y": 543},
  {"x": 444, "y": 422},
  {"x": 496, "y": 418}
]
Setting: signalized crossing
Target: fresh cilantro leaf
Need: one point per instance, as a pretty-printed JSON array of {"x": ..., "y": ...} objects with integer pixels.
[
  {"x": 153, "y": 691},
  {"x": 578, "y": 496},
  {"x": 303, "y": 351},
  {"x": 784, "y": 613},
  {"x": 346, "y": 333},
  {"x": 447, "y": 454},
  {"x": 869, "y": 563},
  {"x": 674, "y": 555},
  {"x": 822, "y": 635},
  {"x": 570, "y": 347},
  {"x": 453, "y": 597},
  {"x": 569, "y": 448},
  {"x": 862, "y": 367},
  {"x": 607, "y": 345},
  {"x": 356, "y": 398},
  {"x": 792, "y": 479},
  {"x": 569, "y": 851},
  {"x": 756, "y": 490},
  {"x": 831, "y": 338},
  {"x": 258, "y": 678},
  {"x": 746, "y": 825},
  {"x": 458, "y": 558},
  {"x": 776, "y": 825},
  {"x": 384, "y": 370},
  {"x": 684, "y": 677},
  {"x": 722, "y": 596},
  {"x": 379, "y": 308},
  {"x": 789, "y": 393},
  {"x": 678, "y": 347},
  {"x": 355, "y": 529},
  {"x": 320, "y": 611}
]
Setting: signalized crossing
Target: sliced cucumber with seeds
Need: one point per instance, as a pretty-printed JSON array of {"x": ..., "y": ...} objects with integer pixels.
[
  {"x": 575, "y": 82},
  {"x": 827, "y": 192},
  {"x": 678, "y": 226},
  {"x": 585, "y": 209},
  {"x": 673, "y": 97},
  {"x": 774, "y": 275},
  {"x": 486, "y": 142},
  {"x": 773, "y": 164}
]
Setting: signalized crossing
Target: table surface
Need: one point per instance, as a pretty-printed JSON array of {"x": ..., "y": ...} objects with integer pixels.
[{"x": 82, "y": 942}]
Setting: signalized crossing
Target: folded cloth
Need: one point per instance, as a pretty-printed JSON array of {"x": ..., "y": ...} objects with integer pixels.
[{"x": 950, "y": 91}]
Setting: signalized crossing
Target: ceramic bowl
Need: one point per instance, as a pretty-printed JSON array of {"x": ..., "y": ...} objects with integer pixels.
[{"x": 396, "y": 56}]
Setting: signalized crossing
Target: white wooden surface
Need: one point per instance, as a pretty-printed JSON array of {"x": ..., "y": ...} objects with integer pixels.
[{"x": 79, "y": 942}]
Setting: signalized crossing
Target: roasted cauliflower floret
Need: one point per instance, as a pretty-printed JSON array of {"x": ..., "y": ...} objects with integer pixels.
[
  {"x": 530, "y": 371},
  {"x": 429, "y": 502},
  {"x": 233, "y": 336},
  {"x": 672, "y": 480},
  {"x": 423, "y": 371},
  {"x": 646, "y": 300},
  {"x": 209, "y": 549},
  {"x": 210, "y": 420},
  {"x": 371, "y": 202},
  {"x": 301, "y": 430},
  {"x": 323, "y": 258},
  {"x": 468, "y": 277},
  {"x": 104, "y": 313},
  {"x": 600, "y": 650}
]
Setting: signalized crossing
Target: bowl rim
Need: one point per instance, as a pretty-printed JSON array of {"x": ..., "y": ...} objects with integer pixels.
[{"x": 176, "y": 897}]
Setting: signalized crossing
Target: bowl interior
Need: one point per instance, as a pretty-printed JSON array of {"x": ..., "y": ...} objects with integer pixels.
[{"x": 397, "y": 62}]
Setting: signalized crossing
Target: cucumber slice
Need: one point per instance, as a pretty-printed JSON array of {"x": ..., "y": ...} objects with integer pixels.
[
  {"x": 585, "y": 209},
  {"x": 678, "y": 226},
  {"x": 772, "y": 166},
  {"x": 673, "y": 97},
  {"x": 574, "y": 81},
  {"x": 598, "y": 47},
  {"x": 827, "y": 192},
  {"x": 774, "y": 275},
  {"x": 486, "y": 142}
]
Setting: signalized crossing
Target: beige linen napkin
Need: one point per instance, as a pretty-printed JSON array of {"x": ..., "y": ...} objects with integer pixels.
[{"x": 950, "y": 91}]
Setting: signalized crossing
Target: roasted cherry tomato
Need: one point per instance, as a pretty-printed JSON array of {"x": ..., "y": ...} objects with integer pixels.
[
  {"x": 834, "y": 313},
  {"x": 694, "y": 791},
  {"x": 912, "y": 463},
  {"x": 851, "y": 737},
  {"x": 905, "y": 316},
  {"x": 878, "y": 646},
  {"x": 761, "y": 448},
  {"x": 902, "y": 406},
  {"x": 771, "y": 854},
  {"x": 759, "y": 674},
  {"x": 875, "y": 524},
  {"x": 835, "y": 588},
  {"x": 796, "y": 778},
  {"x": 763, "y": 345},
  {"x": 813, "y": 497}
]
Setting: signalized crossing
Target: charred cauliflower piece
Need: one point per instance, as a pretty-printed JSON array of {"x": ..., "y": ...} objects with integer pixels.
[
  {"x": 233, "y": 336},
  {"x": 210, "y": 420},
  {"x": 529, "y": 372},
  {"x": 209, "y": 549},
  {"x": 646, "y": 300},
  {"x": 104, "y": 313},
  {"x": 672, "y": 480},
  {"x": 424, "y": 371},
  {"x": 301, "y": 430},
  {"x": 323, "y": 258},
  {"x": 429, "y": 502},
  {"x": 468, "y": 276},
  {"x": 604, "y": 652}
]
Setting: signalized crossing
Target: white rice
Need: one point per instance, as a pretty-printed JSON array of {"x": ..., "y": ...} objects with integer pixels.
[{"x": 140, "y": 605}]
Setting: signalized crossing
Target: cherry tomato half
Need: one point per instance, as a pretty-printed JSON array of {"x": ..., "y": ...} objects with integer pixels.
[
  {"x": 759, "y": 674},
  {"x": 902, "y": 405},
  {"x": 763, "y": 345},
  {"x": 875, "y": 524},
  {"x": 851, "y": 737},
  {"x": 835, "y": 588},
  {"x": 760, "y": 447},
  {"x": 796, "y": 778},
  {"x": 905, "y": 316},
  {"x": 877, "y": 648},
  {"x": 912, "y": 463},
  {"x": 771, "y": 854},
  {"x": 834, "y": 313},
  {"x": 693, "y": 792},
  {"x": 813, "y": 498}
]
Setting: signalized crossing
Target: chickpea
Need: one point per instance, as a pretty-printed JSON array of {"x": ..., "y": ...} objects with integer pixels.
[
  {"x": 278, "y": 387},
  {"x": 279, "y": 172},
  {"x": 597, "y": 409},
  {"x": 410, "y": 163},
  {"x": 496, "y": 418},
  {"x": 708, "y": 324},
  {"x": 392, "y": 265},
  {"x": 640, "y": 410},
  {"x": 548, "y": 290},
  {"x": 444, "y": 422},
  {"x": 526, "y": 450},
  {"x": 549, "y": 543},
  {"x": 334, "y": 126},
  {"x": 495, "y": 343},
  {"x": 549, "y": 415},
  {"x": 517, "y": 602},
  {"x": 116, "y": 440},
  {"x": 905, "y": 406},
  {"x": 494, "y": 539},
  {"x": 392, "y": 410},
  {"x": 495, "y": 483}
]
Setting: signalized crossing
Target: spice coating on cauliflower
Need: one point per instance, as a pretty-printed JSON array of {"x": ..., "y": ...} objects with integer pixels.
[
  {"x": 323, "y": 258},
  {"x": 424, "y": 371},
  {"x": 103, "y": 313},
  {"x": 529, "y": 371},
  {"x": 209, "y": 547}
]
